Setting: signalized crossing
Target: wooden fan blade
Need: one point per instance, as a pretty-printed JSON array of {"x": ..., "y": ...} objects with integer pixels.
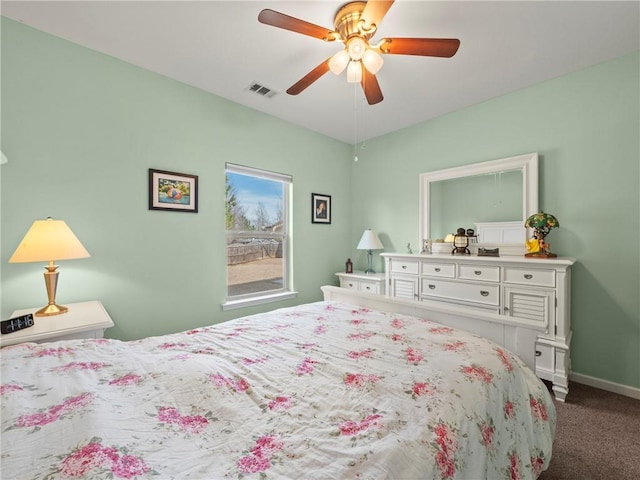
[
  {"x": 309, "y": 78},
  {"x": 280, "y": 20},
  {"x": 371, "y": 87},
  {"x": 427, "y": 47},
  {"x": 374, "y": 11}
]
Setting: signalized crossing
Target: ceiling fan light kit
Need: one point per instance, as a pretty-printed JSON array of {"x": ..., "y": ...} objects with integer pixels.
[
  {"x": 339, "y": 62},
  {"x": 355, "y": 24},
  {"x": 354, "y": 72}
]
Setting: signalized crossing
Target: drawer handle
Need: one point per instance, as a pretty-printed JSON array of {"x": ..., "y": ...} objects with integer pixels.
[
  {"x": 432, "y": 286},
  {"x": 484, "y": 293},
  {"x": 437, "y": 269},
  {"x": 351, "y": 284},
  {"x": 404, "y": 267},
  {"x": 528, "y": 276},
  {"x": 368, "y": 287},
  {"x": 538, "y": 353},
  {"x": 478, "y": 272}
]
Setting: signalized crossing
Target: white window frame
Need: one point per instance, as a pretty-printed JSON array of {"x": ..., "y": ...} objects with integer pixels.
[{"x": 286, "y": 292}]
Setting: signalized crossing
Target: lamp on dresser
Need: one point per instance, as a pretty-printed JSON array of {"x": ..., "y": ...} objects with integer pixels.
[
  {"x": 47, "y": 241},
  {"x": 370, "y": 242},
  {"x": 541, "y": 223}
]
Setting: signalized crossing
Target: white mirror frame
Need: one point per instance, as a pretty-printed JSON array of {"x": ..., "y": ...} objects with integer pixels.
[{"x": 527, "y": 163}]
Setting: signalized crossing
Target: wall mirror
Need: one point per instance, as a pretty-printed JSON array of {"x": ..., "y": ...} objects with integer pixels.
[{"x": 488, "y": 193}]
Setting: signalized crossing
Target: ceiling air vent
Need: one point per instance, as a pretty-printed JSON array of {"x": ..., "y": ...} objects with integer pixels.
[{"x": 261, "y": 90}]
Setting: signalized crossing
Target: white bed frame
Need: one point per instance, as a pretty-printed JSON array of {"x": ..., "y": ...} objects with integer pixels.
[{"x": 504, "y": 330}]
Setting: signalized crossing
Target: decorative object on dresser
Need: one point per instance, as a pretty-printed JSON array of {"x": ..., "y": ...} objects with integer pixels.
[
  {"x": 460, "y": 243},
  {"x": 488, "y": 252},
  {"x": 84, "y": 320},
  {"x": 370, "y": 242},
  {"x": 363, "y": 282},
  {"x": 508, "y": 289},
  {"x": 541, "y": 223},
  {"x": 348, "y": 266},
  {"x": 47, "y": 241},
  {"x": 427, "y": 245}
]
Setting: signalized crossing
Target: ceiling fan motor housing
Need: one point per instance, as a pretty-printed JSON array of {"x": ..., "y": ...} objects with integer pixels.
[{"x": 347, "y": 22}]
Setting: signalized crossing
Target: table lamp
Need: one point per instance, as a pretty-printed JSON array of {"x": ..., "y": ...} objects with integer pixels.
[
  {"x": 541, "y": 223},
  {"x": 370, "y": 242},
  {"x": 49, "y": 240}
]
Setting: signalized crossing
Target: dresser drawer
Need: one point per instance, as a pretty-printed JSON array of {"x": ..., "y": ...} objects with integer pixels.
[
  {"x": 524, "y": 276},
  {"x": 461, "y": 291},
  {"x": 349, "y": 283},
  {"x": 371, "y": 287},
  {"x": 438, "y": 269},
  {"x": 405, "y": 266},
  {"x": 479, "y": 272}
]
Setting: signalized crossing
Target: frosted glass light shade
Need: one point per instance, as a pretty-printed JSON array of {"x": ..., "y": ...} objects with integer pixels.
[
  {"x": 354, "y": 72},
  {"x": 339, "y": 62},
  {"x": 372, "y": 61},
  {"x": 48, "y": 240},
  {"x": 356, "y": 47},
  {"x": 370, "y": 241}
]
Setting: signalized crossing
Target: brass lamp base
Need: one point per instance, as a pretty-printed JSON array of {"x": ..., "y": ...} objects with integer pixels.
[
  {"x": 51, "y": 282},
  {"x": 51, "y": 309}
]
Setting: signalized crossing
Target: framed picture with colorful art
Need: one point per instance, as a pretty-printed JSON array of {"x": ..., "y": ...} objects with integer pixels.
[
  {"x": 320, "y": 208},
  {"x": 173, "y": 191}
]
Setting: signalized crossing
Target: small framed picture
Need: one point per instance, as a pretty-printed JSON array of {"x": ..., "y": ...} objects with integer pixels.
[
  {"x": 173, "y": 191},
  {"x": 320, "y": 208}
]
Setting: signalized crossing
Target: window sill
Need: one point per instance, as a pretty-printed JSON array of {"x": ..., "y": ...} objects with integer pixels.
[{"x": 249, "y": 302}]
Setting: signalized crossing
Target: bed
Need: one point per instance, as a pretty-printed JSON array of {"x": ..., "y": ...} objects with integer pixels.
[{"x": 324, "y": 390}]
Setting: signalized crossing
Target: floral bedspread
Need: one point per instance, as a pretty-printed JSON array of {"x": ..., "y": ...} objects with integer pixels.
[{"x": 323, "y": 390}]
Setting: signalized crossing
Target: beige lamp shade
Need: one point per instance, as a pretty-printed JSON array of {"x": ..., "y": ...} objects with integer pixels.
[{"x": 49, "y": 240}]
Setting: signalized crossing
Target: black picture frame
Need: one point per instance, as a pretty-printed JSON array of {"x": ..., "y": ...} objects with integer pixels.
[
  {"x": 173, "y": 191},
  {"x": 320, "y": 208}
]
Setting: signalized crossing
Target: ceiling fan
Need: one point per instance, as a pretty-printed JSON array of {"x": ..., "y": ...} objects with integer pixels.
[{"x": 355, "y": 24}]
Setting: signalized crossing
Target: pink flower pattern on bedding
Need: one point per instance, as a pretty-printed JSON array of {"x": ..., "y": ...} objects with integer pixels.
[{"x": 323, "y": 390}]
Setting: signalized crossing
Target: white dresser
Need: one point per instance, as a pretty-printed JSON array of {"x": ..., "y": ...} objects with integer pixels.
[{"x": 534, "y": 292}]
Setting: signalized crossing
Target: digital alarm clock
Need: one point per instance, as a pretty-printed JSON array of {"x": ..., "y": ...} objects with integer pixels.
[{"x": 17, "y": 323}]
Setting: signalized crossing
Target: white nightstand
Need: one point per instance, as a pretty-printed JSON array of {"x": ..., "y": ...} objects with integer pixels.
[
  {"x": 83, "y": 320},
  {"x": 364, "y": 282}
]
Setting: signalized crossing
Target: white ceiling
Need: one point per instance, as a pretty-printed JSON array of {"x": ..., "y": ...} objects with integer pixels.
[{"x": 220, "y": 47}]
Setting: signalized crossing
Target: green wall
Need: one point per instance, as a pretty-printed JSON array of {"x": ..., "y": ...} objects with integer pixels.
[
  {"x": 81, "y": 129},
  {"x": 586, "y": 128}
]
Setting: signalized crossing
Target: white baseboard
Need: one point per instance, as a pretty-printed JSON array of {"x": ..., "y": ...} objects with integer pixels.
[{"x": 625, "y": 390}]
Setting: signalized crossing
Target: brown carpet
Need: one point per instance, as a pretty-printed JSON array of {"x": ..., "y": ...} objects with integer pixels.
[{"x": 597, "y": 438}]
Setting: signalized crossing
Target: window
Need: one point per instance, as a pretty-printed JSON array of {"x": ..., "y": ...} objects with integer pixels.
[{"x": 257, "y": 229}]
